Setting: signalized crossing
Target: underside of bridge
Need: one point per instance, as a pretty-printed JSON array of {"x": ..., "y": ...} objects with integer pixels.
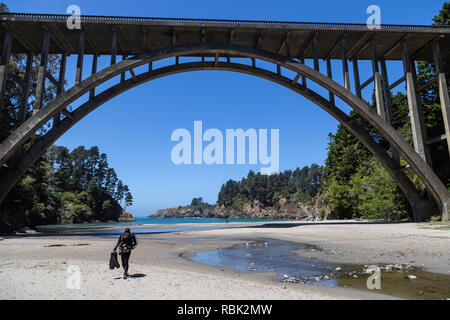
[{"x": 216, "y": 44}]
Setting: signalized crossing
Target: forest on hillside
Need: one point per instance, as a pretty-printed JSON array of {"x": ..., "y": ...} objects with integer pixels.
[
  {"x": 66, "y": 186},
  {"x": 352, "y": 183}
]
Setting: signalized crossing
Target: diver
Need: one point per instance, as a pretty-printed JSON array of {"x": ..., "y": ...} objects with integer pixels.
[{"x": 126, "y": 243}]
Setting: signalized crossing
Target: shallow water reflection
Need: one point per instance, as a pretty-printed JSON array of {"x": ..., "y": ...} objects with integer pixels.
[{"x": 269, "y": 255}]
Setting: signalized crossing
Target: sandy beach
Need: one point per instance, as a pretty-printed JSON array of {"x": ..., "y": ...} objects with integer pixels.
[{"x": 35, "y": 267}]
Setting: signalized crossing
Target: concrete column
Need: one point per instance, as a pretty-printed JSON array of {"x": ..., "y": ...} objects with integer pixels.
[
  {"x": 330, "y": 75},
  {"x": 316, "y": 54},
  {"x": 288, "y": 46},
  {"x": 61, "y": 80},
  {"x": 388, "y": 105},
  {"x": 122, "y": 75},
  {"x": 80, "y": 59},
  {"x": 415, "y": 107},
  {"x": 345, "y": 65},
  {"x": 26, "y": 90},
  {"x": 356, "y": 78},
  {"x": 379, "y": 98},
  {"x": 40, "y": 86},
  {"x": 4, "y": 63},
  {"x": 302, "y": 61},
  {"x": 113, "y": 48},
  {"x": 144, "y": 41},
  {"x": 443, "y": 91},
  {"x": 94, "y": 70}
]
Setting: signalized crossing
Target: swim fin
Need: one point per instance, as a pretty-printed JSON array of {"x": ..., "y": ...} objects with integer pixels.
[{"x": 113, "y": 262}]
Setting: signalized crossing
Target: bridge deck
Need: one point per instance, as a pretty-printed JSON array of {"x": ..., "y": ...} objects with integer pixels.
[{"x": 28, "y": 30}]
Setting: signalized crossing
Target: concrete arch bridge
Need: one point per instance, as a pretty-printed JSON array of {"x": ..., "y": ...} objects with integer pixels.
[{"x": 215, "y": 45}]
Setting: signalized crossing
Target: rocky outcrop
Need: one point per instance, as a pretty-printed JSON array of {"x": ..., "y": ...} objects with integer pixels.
[
  {"x": 186, "y": 212},
  {"x": 283, "y": 209},
  {"x": 125, "y": 217}
]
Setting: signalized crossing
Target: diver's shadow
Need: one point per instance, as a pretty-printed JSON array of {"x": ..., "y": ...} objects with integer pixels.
[
  {"x": 137, "y": 275},
  {"x": 134, "y": 276}
]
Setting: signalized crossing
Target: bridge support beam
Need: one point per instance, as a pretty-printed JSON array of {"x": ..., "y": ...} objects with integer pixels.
[
  {"x": 4, "y": 64},
  {"x": 40, "y": 86},
  {"x": 388, "y": 105},
  {"x": 80, "y": 59},
  {"x": 443, "y": 91},
  {"x": 26, "y": 90},
  {"x": 93, "y": 71},
  {"x": 345, "y": 65},
  {"x": 61, "y": 80},
  {"x": 379, "y": 97},
  {"x": 415, "y": 107},
  {"x": 330, "y": 75}
]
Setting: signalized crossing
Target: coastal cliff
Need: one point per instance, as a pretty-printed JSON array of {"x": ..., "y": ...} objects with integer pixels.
[{"x": 283, "y": 209}]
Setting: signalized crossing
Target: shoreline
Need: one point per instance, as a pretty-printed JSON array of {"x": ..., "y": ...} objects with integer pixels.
[{"x": 30, "y": 262}]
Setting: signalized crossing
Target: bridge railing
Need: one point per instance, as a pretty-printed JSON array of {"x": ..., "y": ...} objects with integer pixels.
[{"x": 37, "y": 17}]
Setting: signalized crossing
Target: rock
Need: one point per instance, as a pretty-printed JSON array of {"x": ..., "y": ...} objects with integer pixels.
[
  {"x": 27, "y": 230},
  {"x": 412, "y": 277},
  {"x": 318, "y": 278},
  {"x": 1, "y": 238},
  {"x": 126, "y": 217},
  {"x": 284, "y": 209},
  {"x": 371, "y": 269}
]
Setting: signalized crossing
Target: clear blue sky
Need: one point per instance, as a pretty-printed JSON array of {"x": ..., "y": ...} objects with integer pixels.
[{"x": 134, "y": 129}]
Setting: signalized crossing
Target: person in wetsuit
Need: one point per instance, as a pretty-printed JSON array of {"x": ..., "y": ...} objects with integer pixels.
[{"x": 126, "y": 243}]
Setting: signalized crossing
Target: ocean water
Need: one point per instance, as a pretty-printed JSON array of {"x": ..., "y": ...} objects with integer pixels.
[
  {"x": 116, "y": 228},
  {"x": 142, "y": 221}
]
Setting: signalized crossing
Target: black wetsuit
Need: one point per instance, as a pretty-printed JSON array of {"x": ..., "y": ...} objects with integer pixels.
[{"x": 126, "y": 245}]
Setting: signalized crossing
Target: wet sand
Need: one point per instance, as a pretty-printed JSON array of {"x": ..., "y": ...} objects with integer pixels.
[{"x": 36, "y": 267}]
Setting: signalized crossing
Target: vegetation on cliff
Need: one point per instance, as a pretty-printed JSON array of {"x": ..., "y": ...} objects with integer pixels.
[
  {"x": 66, "y": 187},
  {"x": 355, "y": 184}
]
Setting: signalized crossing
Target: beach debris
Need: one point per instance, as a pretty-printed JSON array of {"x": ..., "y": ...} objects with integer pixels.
[
  {"x": 412, "y": 277},
  {"x": 266, "y": 244},
  {"x": 355, "y": 276},
  {"x": 1, "y": 238},
  {"x": 371, "y": 269},
  {"x": 325, "y": 277},
  {"x": 338, "y": 269},
  {"x": 293, "y": 280},
  {"x": 248, "y": 255},
  {"x": 318, "y": 278},
  {"x": 285, "y": 277}
]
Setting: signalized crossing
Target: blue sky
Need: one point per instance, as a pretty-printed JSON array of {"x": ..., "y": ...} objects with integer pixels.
[{"x": 134, "y": 129}]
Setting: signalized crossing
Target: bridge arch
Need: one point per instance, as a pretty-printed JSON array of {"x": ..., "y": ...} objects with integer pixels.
[{"x": 419, "y": 204}]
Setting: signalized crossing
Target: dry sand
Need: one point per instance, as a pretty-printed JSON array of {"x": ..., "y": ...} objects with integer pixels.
[{"x": 36, "y": 267}]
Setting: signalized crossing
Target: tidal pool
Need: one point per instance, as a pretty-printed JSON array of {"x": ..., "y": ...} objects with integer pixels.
[{"x": 270, "y": 255}]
